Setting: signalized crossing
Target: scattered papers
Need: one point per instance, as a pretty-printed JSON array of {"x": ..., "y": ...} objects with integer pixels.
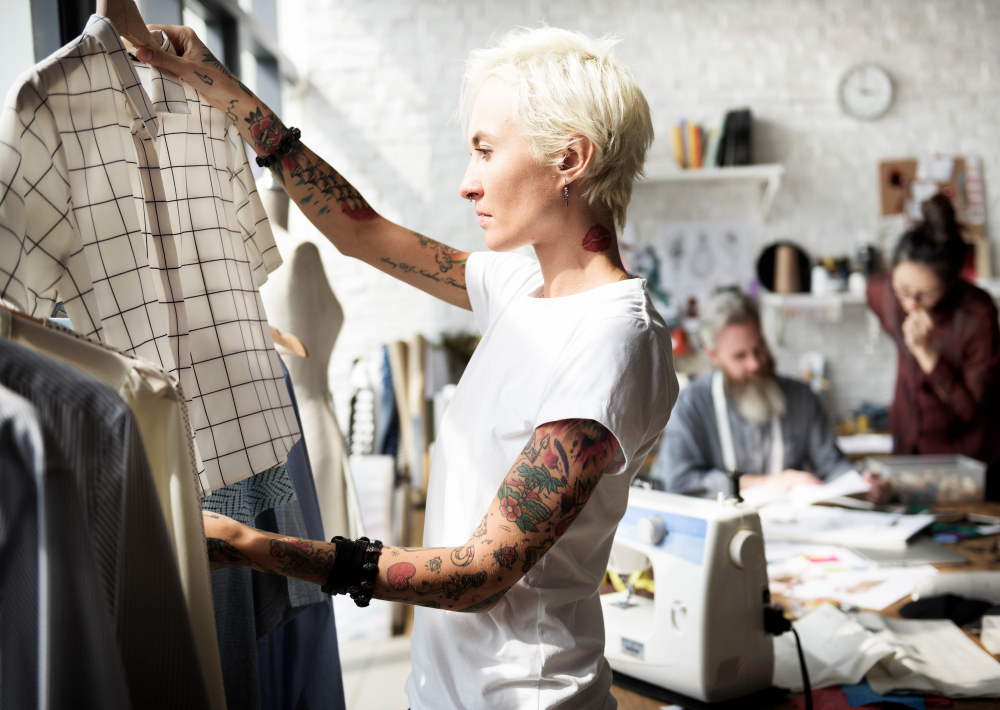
[
  {"x": 874, "y": 588},
  {"x": 837, "y": 649},
  {"x": 838, "y": 526},
  {"x": 829, "y": 573},
  {"x": 990, "y": 636},
  {"x": 931, "y": 655},
  {"x": 849, "y": 484},
  {"x": 891, "y": 654}
]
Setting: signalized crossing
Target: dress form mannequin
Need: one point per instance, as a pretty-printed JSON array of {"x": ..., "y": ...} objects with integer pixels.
[{"x": 299, "y": 300}]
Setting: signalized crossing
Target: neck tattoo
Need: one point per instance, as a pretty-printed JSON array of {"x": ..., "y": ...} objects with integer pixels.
[{"x": 597, "y": 239}]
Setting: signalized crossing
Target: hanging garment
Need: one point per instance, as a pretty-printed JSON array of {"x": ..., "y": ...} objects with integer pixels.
[
  {"x": 251, "y": 604},
  {"x": 100, "y": 442},
  {"x": 161, "y": 415},
  {"x": 387, "y": 418},
  {"x": 92, "y": 219},
  {"x": 242, "y": 415},
  {"x": 299, "y": 662},
  {"x": 300, "y": 301},
  {"x": 73, "y": 222},
  {"x": 49, "y": 573},
  {"x": 244, "y": 500}
]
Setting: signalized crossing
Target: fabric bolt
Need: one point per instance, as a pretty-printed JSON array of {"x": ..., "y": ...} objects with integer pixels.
[
  {"x": 603, "y": 355},
  {"x": 243, "y": 419},
  {"x": 691, "y": 461},
  {"x": 57, "y": 639},
  {"x": 246, "y": 499},
  {"x": 102, "y": 446},
  {"x": 160, "y": 412},
  {"x": 299, "y": 662}
]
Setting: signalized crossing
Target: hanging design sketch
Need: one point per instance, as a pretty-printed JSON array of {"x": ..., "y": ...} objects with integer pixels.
[{"x": 694, "y": 258}]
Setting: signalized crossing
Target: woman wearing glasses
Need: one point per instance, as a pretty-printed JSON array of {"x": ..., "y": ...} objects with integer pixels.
[{"x": 948, "y": 374}]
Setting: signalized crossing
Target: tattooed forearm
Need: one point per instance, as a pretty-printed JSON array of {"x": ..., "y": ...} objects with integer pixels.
[
  {"x": 545, "y": 491},
  {"x": 230, "y": 112},
  {"x": 411, "y": 269},
  {"x": 209, "y": 58},
  {"x": 446, "y": 257},
  {"x": 221, "y": 554},
  {"x": 536, "y": 504},
  {"x": 303, "y": 559},
  {"x": 301, "y": 168}
]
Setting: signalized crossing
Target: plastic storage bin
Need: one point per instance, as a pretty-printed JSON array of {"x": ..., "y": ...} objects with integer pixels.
[{"x": 947, "y": 478}]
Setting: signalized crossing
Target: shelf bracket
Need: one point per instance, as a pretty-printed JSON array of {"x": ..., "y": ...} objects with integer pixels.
[{"x": 769, "y": 192}]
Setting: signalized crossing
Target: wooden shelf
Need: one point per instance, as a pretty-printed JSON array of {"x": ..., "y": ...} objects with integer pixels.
[
  {"x": 777, "y": 309},
  {"x": 767, "y": 176}
]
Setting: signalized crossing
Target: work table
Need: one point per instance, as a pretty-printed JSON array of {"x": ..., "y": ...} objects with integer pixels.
[{"x": 976, "y": 550}]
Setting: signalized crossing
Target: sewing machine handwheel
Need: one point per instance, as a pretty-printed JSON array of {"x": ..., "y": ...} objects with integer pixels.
[
  {"x": 746, "y": 550},
  {"x": 651, "y": 530}
]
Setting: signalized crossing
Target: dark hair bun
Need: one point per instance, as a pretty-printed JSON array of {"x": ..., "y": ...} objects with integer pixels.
[
  {"x": 936, "y": 242},
  {"x": 939, "y": 217}
]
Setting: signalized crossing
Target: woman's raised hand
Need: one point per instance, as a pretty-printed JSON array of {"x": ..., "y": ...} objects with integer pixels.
[{"x": 195, "y": 64}]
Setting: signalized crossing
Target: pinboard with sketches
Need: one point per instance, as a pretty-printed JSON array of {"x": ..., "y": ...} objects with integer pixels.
[{"x": 688, "y": 260}]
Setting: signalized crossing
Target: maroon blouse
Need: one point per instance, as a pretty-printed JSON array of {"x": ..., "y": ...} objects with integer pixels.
[{"x": 954, "y": 409}]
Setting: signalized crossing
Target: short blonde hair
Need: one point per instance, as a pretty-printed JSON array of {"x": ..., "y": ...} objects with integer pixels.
[{"x": 565, "y": 84}]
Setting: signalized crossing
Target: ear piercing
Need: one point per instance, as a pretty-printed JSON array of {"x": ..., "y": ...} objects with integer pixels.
[{"x": 566, "y": 194}]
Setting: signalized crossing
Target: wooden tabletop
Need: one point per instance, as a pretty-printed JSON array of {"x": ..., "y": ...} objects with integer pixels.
[{"x": 976, "y": 550}]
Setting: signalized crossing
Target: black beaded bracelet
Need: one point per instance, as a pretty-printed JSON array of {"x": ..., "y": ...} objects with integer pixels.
[
  {"x": 355, "y": 569},
  {"x": 288, "y": 142},
  {"x": 336, "y": 581}
]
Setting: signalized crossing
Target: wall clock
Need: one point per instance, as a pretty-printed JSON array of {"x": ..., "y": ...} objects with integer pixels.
[{"x": 865, "y": 92}]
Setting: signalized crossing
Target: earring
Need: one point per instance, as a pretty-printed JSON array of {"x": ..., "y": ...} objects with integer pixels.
[{"x": 566, "y": 194}]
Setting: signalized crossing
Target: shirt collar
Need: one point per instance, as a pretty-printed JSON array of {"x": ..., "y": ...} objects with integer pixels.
[{"x": 101, "y": 29}]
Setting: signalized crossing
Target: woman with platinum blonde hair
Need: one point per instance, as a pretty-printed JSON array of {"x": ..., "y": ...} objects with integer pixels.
[{"x": 565, "y": 396}]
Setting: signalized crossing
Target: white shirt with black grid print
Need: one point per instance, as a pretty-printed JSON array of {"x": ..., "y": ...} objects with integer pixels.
[{"x": 92, "y": 220}]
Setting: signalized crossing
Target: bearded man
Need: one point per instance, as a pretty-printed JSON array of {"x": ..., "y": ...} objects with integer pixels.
[{"x": 745, "y": 417}]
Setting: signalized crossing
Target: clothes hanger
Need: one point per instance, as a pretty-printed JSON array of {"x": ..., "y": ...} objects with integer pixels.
[
  {"x": 288, "y": 343},
  {"x": 124, "y": 15}
]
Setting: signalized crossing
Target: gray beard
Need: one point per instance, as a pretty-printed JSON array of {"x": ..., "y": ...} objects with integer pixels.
[{"x": 757, "y": 400}]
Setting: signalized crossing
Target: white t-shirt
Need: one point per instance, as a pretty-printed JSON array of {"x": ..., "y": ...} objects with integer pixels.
[{"x": 603, "y": 354}]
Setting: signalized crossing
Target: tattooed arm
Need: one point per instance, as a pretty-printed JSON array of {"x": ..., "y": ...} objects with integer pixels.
[
  {"x": 338, "y": 210},
  {"x": 544, "y": 492}
]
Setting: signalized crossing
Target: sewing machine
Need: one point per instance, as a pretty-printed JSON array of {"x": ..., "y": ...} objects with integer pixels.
[{"x": 703, "y": 635}]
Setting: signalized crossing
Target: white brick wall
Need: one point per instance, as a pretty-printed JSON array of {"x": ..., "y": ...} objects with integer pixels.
[{"x": 384, "y": 83}]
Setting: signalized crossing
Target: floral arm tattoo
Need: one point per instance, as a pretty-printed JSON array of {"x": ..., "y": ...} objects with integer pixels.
[
  {"x": 544, "y": 492},
  {"x": 541, "y": 496}
]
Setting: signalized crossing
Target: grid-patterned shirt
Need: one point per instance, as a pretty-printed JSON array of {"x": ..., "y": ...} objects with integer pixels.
[
  {"x": 241, "y": 410},
  {"x": 161, "y": 263}
]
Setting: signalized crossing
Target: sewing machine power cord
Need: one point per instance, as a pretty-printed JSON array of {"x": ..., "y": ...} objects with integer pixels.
[{"x": 776, "y": 623}]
